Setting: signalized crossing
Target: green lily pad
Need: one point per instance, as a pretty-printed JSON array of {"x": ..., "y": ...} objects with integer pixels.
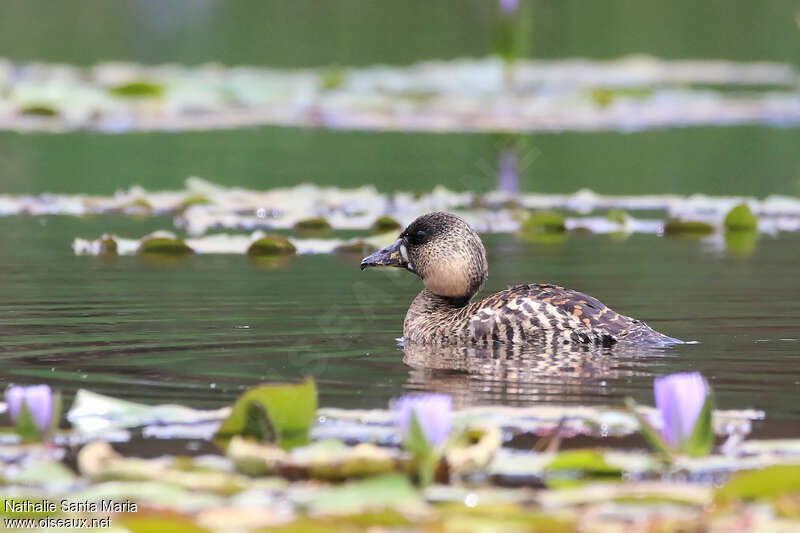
[
  {"x": 195, "y": 199},
  {"x": 544, "y": 222},
  {"x": 164, "y": 246},
  {"x": 271, "y": 245},
  {"x": 313, "y": 226},
  {"x": 291, "y": 410},
  {"x": 98, "y": 461},
  {"x": 39, "y": 110},
  {"x": 333, "y": 78},
  {"x": 91, "y": 412},
  {"x": 617, "y": 215},
  {"x": 138, "y": 89},
  {"x": 385, "y": 224},
  {"x": 158, "y": 523},
  {"x": 573, "y": 466},
  {"x": 108, "y": 246},
  {"x": 764, "y": 484},
  {"x": 393, "y": 492},
  {"x": 605, "y": 96},
  {"x": 687, "y": 228},
  {"x": 740, "y": 218}
]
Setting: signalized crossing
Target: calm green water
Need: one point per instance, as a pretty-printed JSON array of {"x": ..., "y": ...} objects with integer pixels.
[
  {"x": 751, "y": 160},
  {"x": 359, "y": 32},
  {"x": 199, "y": 331}
]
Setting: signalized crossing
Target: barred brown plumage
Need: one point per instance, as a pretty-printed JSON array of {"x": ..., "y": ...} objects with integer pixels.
[{"x": 450, "y": 258}]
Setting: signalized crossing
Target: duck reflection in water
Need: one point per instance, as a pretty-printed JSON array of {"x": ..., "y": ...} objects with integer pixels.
[{"x": 516, "y": 374}]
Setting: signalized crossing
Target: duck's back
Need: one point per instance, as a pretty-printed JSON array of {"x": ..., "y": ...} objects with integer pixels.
[
  {"x": 554, "y": 314},
  {"x": 537, "y": 313}
]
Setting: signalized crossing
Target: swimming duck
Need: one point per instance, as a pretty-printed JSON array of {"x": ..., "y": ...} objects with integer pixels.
[{"x": 449, "y": 257}]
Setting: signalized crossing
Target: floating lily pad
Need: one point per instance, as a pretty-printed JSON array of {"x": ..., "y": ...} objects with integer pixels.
[
  {"x": 591, "y": 462},
  {"x": 385, "y": 224},
  {"x": 271, "y": 245},
  {"x": 100, "y": 462},
  {"x": 481, "y": 444},
  {"x": 687, "y": 228},
  {"x": 108, "y": 246},
  {"x": 605, "y": 96},
  {"x": 328, "y": 459},
  {"x": 39, "y": 110},
  {"x": 195, "y": 199},
  {"x": 91, "y": 412},
  {"x": 333, "y": 78},
  {"x": 164, "y": 246},
  {"x": 764, "y": 484},
  {"x": 740, "y": 218},
  {"x": 291, "y": 410},
  {"x": 393, "y": 492},
  {"x": 617, "y": 215},
  {"x": 544, "y": 222},
  {"x": 313, "y": 226},
  {"x": 138, "y": 89},
  {"x": 356, "y": 247}
]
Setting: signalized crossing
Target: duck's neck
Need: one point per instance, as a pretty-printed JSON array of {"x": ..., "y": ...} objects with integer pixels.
[{"x": 433, "y": 317}]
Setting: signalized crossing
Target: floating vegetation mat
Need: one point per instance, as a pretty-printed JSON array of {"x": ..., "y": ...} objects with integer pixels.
[
  {"x": 311, "y": 212},
  {"x": 354, "y": 475},
  {"x": 461, "y": 95}
]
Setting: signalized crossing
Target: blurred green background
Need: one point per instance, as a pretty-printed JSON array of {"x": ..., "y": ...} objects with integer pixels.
[
  {"x": 300, "y": 33},
  {"x": 747, "y": 160}
]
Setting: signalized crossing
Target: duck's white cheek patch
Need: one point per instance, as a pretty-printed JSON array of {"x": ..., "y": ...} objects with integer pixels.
[{"x": 404, "y": 252}]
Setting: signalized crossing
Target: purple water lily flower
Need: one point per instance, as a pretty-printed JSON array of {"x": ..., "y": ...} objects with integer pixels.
[
  {"x": 508, "y": 6},
  {"x": 679, "y": 399},
  {"x": 38, "y": 398},
  {"x": 434, "y": 412}
]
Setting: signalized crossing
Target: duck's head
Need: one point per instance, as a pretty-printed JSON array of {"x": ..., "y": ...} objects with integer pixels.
[{"x": 442, "y": 250}]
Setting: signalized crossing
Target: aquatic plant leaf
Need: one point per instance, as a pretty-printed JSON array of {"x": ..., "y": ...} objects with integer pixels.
[
  {"x": 740, "y": 218},
  {"x": 652, "y": 435},
  {"x": 271, "y": 245},
  {"x": 481, "y": 446},
  {"x": 764, "y": 484},
  {"x": 583, "y": 463},
  {"x": 164, "y": 246},
  {"x": 98, "y": 461},
  {"x": 415, "y": 440},
  {"x": 39, "y": 110},
  {"x": 138, "y": 89},
  {"x": 702, "y": 438},
  {"x": 291, "y": 410},
  {"x": 26, "y": 427},
  {"x": 687, "y": 228},
  {"x": 257, "y": 423},
  {"x": 158, "y": 523},
  {"x": 91, "y": 412},
  {"x": 392, "y": 491},
  {"x": 153, "y": 493}
]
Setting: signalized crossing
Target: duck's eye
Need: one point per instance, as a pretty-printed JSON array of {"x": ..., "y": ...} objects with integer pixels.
[{"x": 417, "y": 237}]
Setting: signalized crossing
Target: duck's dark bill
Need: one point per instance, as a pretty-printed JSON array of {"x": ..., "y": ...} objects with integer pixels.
[{"x": 389, "y": 257}]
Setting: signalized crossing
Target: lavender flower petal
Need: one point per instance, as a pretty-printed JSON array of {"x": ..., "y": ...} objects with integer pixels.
[
  {"x": 14, "y": 397},
  {"x": 38, "y": 398},
  {"x": 434, "y": 412},
  {"x": 679, "y": 399},
  {"x": 40, "y": 403},
  {"x": 509, "y": 6}
]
